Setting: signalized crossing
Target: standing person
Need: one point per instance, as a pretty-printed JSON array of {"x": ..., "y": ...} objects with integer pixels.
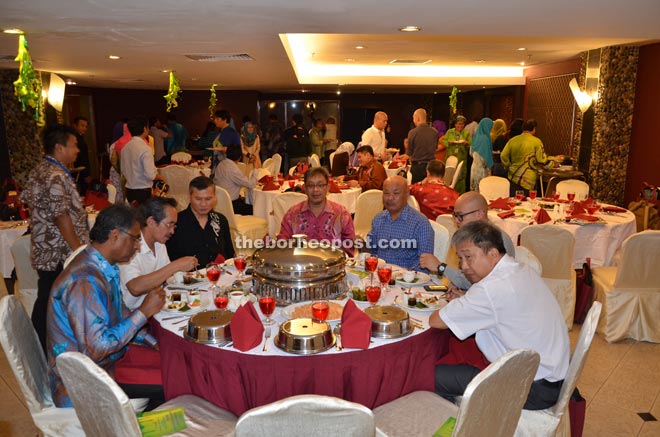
[
  {"x": 58, "y": 219},
  {"x": 298, "y": 144},
  {"x": 273, "y": 138},
  {"x": 228, "y": 176},
  {"x": 482, "y": 153},
  {"x": 433, "y": 196},
  {"x": 370, "y": 175},
  {"x": 227, "y": 137},
  {"x": 457, "y": 141},
  {"x": 330, "y": 138},
  {"x": 441, "y": 151},
  {"x": 515, "y": 129},
  {"x": 207, "y": 137},
  {"x": 83, "y": 179},
  {"x": 114, "y": 153},
  {"x": 178, "y": 135},
  {"x": 159, "y": 133},
  {"x": 316, "y": 134},
  {"x": 422, "y": 143},
  {"x": 375, "y": 136},
  {"x": 498, "y": 137},
  {"x": 137, "y": 163},
  {"x": 251, "y": 145}
]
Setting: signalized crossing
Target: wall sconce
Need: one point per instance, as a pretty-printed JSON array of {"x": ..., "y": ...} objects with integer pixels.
[
  {"x": 582, "y": 99},
  {"x": 56, "y": 92}
]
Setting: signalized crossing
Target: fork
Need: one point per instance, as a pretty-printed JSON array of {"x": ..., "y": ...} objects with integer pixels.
[{"x": 266, "y": 337}]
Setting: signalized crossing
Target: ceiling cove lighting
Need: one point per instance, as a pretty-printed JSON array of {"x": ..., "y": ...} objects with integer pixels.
[
  {"x": 13, "y": 31},
  {"x": 410, "y": 29},
  {"x": 114, "y": 57}
]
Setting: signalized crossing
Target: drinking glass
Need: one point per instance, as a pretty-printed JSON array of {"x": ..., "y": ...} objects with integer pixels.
[
  {"x": 213, "y": 274},
  {"x": 320, "y": 310},
  {"x": 221, "y": 300},
  {"x": 267, "y": 307},
  {"x": 592, "y": 208},
  {"x": 520, "y": 195},
  {"x": 373, "y": 294},
  {"x": 511, "y": 201},
  {"x": 532, "y": 194},
  {"x": 571, "y": 196},
  {"x": 384, "y": 276},
  {"x": 240, "y": 264},
  {"x": 555, "y": 195},
  {"x": 370, "y": 265}
]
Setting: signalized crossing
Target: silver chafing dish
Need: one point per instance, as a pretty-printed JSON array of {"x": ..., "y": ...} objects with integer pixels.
[
  {"x": 389, "y": 321},
  {"x": 299, "y": 274},
  {"x": 304, "y": 336},
  {"x": 210, "y": 327}
]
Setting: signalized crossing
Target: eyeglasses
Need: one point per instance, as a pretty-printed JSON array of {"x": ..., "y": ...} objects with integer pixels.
[
  {"x": 460, "y": 216},
  {"x": 169, "y": 225},
  {"x": 136, "y": 238},
  {"x": 317, "y": 186}
]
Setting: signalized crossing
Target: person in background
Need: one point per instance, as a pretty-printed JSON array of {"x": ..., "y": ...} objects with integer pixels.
[
  {"x": 471, "y": 127},
  {"x": 339, "y": 164},
  {"x": 230, "y": 177},
  {"x": 433, "y": 196},
  {"x": 273, "y": 138},
  {"x": 207, "y": 137},
  {"x": 178, "y": 135},
  {"x": 515, "y": 129},
  {"x": 137, "y": 163},
  {"x": 498, "y": 137},
  {"x": 422, "y": 143},
  {"x": 226, "y": 137},
  {"x": 201, "y": 232},
  {"x": 57, "y": 215},
  {"x": 370, "y": 175},
  {"x": 83, "y": 178},
  {"x": 441, "y": 151},
  {"x": 330, "y": 138},
  {"x": 316, "y": 134},
  {"x": 375, "y": 136},
  {"x": 482, "y": 153},
  {"x": 457, "y": 142},
  {"x": 150, "y": 266},
  {"x": 159, "y": 133},
  {"x": 298, "y": 143},
  {"x": 251, "y": 145}
]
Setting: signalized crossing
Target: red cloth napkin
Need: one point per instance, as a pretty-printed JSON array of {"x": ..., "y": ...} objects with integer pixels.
[
  {"x": 265, "y": 179},
  {"x": 464, "y": 352},
  {"x": 219, "y": 259},
  {"x": 542, "y": 216},
  {"x": 246, "y": 328},
  {"x": 334, "y": 188},
  {"x": 140, "y": 365},
  {"x": 98, "y": 200},
  {"x": 585, "y": 217},
  {"x": 270, "y": 186},
  {"x": 578, "y": 208},
  {"x": 393, "y": 165},
  {"x": 613, "y": 209},
  {"x": 500, "y": 203},
  {"x": 505, "y": 214},
  {"x": 355, "y": 327}
]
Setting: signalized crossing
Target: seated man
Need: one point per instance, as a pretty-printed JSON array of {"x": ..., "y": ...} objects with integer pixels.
[
  {"x": 508, "y": 307},
  {"x": 150, "y": 267},
  {"x": 228, "y": 176},
  {"x": 399, "y": 234},
  {"x": 371, "y": 173},
  {"x": 469, "y": 207},
  {"x": 201, "y": 232},
  {"x": 433, "y": 196},
  {"x": 85, "y": 310},
  {"x": 319, "y": 218}
]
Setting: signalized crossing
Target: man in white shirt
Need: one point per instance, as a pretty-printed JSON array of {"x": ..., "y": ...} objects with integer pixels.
[
  {"x": 150, "y": 267},
  {"x": 159, "y": 132},
  {"x": 507, "y": 307},
  {"x": 229, "y": 176},
  {"x": 375, "y": 135},
  {"x": 137, "y": 162}
]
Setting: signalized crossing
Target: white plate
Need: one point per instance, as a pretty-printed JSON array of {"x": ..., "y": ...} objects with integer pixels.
[
  {"x": 366, "y": 302},
  {"x": 251, "y": 297},
  {"x": 288, "y": 310},
  {"x": 399, "y": 300},
  {"x": 190, "y": 310},
  {"x": 421, "y": 278}
]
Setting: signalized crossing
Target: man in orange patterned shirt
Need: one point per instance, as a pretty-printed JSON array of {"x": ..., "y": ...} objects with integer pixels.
[{"x": 433, "y": 196}]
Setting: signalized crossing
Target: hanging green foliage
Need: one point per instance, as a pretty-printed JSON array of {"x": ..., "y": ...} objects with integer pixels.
[
  {"x": 173, "y": 92},
  {"x": 28, "y": 86},
  {"x": 453, "y": 99},
  {"x": 212, "y": 101}
]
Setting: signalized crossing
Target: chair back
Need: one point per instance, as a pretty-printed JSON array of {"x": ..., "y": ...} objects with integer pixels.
[
  {"x": 553, "y": 246},
  {"x": 450, "y": 169},
  {"x": 292, "y": 170},
  {"x": 580, "y": 188},
  {"x": 112, "y": 193},
  {"x": 330, "y": 158},
  {"x": 440, "y": 241},
  {"x": 178, "y": 178},
  {"x": 494, "y": 187},
  {"x": 27, "y": 276},
  {"x": 368, "y": 204},
  {"x": 182, "y": 157},
  {"x": 314, "y": 161},
  {"x": 277, "y": 166},
  {"x": 261, "y": 172},
  {"x": 457, "y": 174},
  {"x": 307, "y": 415},
  {"x": 447, "y": 220},
  {"x": 281, "y": 204},
  {"x": 73, "y": 254},
  {"x": 414, "y": 204},
  {"x": 224, "y": 206},
  {"x": 640, "y": 261},
  {"x": 491, "y": 404},
  {"x": 103, "y": 408},
  {"x": 525, "y": 256},
  {"x": 269, "y": 164},
  {"x": 578, "y": 359}
]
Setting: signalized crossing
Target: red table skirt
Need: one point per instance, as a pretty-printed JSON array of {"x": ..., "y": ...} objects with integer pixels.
[{"x": 239, "y": 382}]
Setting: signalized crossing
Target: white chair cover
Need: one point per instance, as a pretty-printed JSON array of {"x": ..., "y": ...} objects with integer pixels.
[
  {"x": 447, "y": 220},
  {"x": 524, "y": 256},
  {"x": 308, "y": 416},
  {"x": 182, "y": 157},
  {"x": 26, "y": 359},
  {"x": 414, "y": 204},
  {"x": 457, "y": 174},
  {"x": 440, "y": 241},
  {"x": 630, "y": 293},
  {"x": 581, "y": 189},
  {"x": 553, "y": 246},
  {"x": 277, "y": 167},
  {"x": 261, "y": 172},
  {"x": 106, "y": 411},
  {"x": 491, "y": 405},
  {"x": 242, "y": 226},
  {"x": 450, "y": 169},
  {"x": 554, "y": 421},
  {"x": 26, "y": 286},
  {"x": 178, "y": 178},
  {"x": 281, "y": 204},
  {"x": 494, "y": 187},
  {"x": 292, "y": 170},
  {"x": 314, "y": 161},
  {"x": 368, "y": 204},
  {"x": 268, "y": 164},
  {"x": 330, "y": 158},
  {"x": 112, "y": 193},
  {"x": 73, "y": 254}
]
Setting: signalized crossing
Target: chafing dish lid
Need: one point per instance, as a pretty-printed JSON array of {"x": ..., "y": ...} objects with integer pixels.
[
  {"x": 211, "y": 319},
  {"x": 386, "y": 313},
  {"x": 298, "y": 259},
  {"x": 303, "y": 327}
]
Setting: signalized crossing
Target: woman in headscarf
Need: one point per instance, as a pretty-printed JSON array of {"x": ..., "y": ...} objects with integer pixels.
[
  {"x": 498, "y": 137},
  {"x": 441, "y": 151},
  {"x": 340, "y": 160},
  {"x": 457, "y": 142},
  {"x": 515, "y": 129},
  {"x": 482, "y": 153},
  {"x": 251, "y": 145}
]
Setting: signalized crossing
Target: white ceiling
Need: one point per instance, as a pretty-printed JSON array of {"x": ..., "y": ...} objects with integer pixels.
[{"x": 74, "y": 38}]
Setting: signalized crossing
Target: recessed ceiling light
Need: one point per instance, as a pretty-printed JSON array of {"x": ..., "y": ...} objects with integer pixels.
[
  {"x": 164, "y": 71},
  {"x": 410, "y": 29},
  {"x": 521, "y": 49},
  {"x": 271, "y": 105},
  {"x": 480, "y": 61},
  {"x": 13, "y": 31},
  {"x": 338, "y": 92},
  {"x": 114, "y": 57},
  {"x": 70, "y": 82},
  {"x": 360, "y": 47},
  {"x": 435, "y": 92},
  {"x": 349, "y": 60},
  {"x": 302, "y": 91},
  {"x": 293, "y": 105},
  {"x": 522, "y": 62}
]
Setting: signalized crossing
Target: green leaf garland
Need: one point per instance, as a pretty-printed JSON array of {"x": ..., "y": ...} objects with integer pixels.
[
  {"x": 28, "y": 86},
  {"x": 212, "y": 101},
  {"x": 453, "y": 99},
  {"x": 173, "y": 92}
]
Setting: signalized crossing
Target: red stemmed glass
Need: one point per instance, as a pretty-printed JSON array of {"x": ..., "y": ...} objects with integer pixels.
[
  {"x": 221, "y": 300},
  {"x": 555, "y": 195},
  {"x": 384, "y": 276},
  {"x": 370, "y": 265},
  {"x": 571, "y": 196},
  {"x": 240, "y": 263},
  {"x": 320, "y": 310},
  {"x": 373, "y": 294},
  {"x": 213, "y": 275},
  {"x": 267, "y": 307}
]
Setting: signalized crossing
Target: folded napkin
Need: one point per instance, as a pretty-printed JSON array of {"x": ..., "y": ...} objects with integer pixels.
[
  {"x": 219, "y": 259},
  {"x": 578, "y": 208},
  {"x": 265, "y": 179},
  {"x": 505, "y": 214},
  {"x": 542, "y": 216},
  {"x": 585, "y": 217},
  {"x": 139, "y": 365},
  {"x": 613, "y": 209},
  {"x": 246, "y": 328},
  {"x": 98, "y": 200},
  {"x": 393, "y": 165},
  {"x": 333, "y": 187},
  {"x": 500, "y": 203},
  {"x": 270, "y": 186},
  {"x": 355, "y": 327}
]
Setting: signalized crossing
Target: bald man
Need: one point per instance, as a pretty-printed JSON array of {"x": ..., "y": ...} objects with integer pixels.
[
  {"x": 375, "y": 135},
  {"x": 469, "y": 207},
  {"x": 422, "y": 142}
]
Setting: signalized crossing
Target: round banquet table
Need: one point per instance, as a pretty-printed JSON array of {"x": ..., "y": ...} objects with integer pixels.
[
  {"x": 239, "y": 381},
  {"x": 9, "y": 232},
  {"x": 599, "y": 242}
]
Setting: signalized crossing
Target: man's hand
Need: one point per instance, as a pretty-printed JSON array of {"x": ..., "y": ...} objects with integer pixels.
[
  {"x": 429, "y": 262},
  {"x": 153, "y": 302},
  {"x": 353, "y": 183},
  {"x": 185, "y": 264},
  {"x": 454, "y": 293}
]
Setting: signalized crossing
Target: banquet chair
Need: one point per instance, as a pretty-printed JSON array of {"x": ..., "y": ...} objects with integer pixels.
[
  {"x": 553, "y": 246},
  {"x": 494, "y": 187},
  {"x": 246, "y": 227},
  {"x": 105, "y": 410},
  {"x": 182, "y": 157},
  {"x": 450, "y": 169},
  {"x": 178, "y": 178},
  {"x": 330, "y": 158},
  {"x": 630, "y": 293},
  {"x": 447, "y": 220},
  {"x": 292, "y": 170},
  {"x": 580, "y": 188},
  {"x": 555, "y": 421},
  {"x": 525, "y": 256},
  {"x": 307, "y": 415},
  {"x": 112, "y": 193},
  {"x": 277, "y": 166},
  {"x": 368, "y": 204},
  {"x": 281, "y": 204},
  {"x": 26, "y": 286},
  {"x": 314, "y": 161},
  {"x": 261, "y": 172},
  {"x": 268, "y": 164},
  {"x": 457, "y": 174},
  {"x": 440, "y": 240},
  {"x": 414, "y": 204},
  {"x": 28, "y": 363},
  {"x": 73, "y": 254},
  {"x": 490, "y": 406}
]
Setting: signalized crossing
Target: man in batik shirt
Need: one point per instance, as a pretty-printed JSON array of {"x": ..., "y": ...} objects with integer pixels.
[{"x": 433, "y": 196}]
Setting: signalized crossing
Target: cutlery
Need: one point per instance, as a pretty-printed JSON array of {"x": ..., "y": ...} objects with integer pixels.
[
  {"x": 230, "y": 344},
  {"x": 180, "y": 321},
  {"x": 266, "y": 337},
  {"x": 337, "y": 332},
  {"x": 416, "y": 320},
  {"x": 174, "y": 317},
  {"x": 174, "y": 287}
]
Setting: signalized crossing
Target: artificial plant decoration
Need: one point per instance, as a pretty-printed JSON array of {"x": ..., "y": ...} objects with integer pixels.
[
  {"x": 173, "y": 92},
  {"x": 212, "y": 101},
  {"x": 452, "y": 102},
  {"x": 28, "y": 87}
]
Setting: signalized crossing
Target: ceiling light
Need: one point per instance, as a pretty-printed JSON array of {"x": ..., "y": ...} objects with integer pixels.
[
  {"x": 13, "y": 31},
  {"x": 338, "y": 92},
  {"x": 165, "y": 71},
  {"x": 410, "y": 29},
  {"x": 521, "y": 49},
  {"x": 435, "y": 92},
  {"x": 114, "y": 57},
  {"x": 271, "y": 105},
  {"x": 70, "y": 82},
  {"x": 302, "y": 91},
  {"x": 293, "y": 105},
  {"x": 480, "y": 61},
  {"x": 349, "y": 60},
  {"x": 360, "y": 47},
  {"x": 522, "y": 62}
]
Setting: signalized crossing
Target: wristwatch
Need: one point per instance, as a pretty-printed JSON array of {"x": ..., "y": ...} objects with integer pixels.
[{"x": 441, "y": 269}]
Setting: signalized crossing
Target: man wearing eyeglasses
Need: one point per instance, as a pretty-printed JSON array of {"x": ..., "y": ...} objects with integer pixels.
[
  {"x": 150, "y": 266},
  {"x": 469, "y": 207},
  {"x": 319, "y": 218}
]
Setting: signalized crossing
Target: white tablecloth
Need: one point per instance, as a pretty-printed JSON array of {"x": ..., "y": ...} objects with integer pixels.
[
  {"x": 599, "y": 242},
  {"x": 9, "y": 232}
]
